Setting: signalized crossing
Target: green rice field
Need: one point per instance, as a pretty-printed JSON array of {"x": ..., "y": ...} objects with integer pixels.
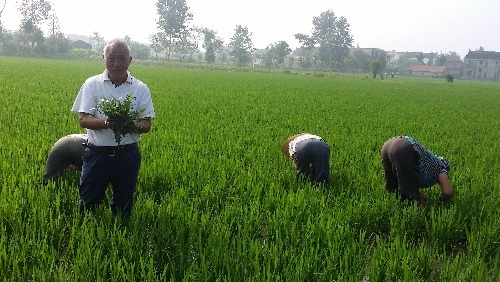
[{"x": 217, "y": 201}]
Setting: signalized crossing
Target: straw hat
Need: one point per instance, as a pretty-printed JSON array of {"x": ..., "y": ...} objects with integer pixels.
[{"x": 284, "y": 146}]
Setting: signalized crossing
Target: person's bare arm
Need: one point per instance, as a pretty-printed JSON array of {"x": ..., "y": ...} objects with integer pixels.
[
  {"x": 89, "y": 121},
  {"x": 446, "y": 190}
]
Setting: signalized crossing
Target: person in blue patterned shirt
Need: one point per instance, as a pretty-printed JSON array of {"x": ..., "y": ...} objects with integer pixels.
[{"x": 409, "y": 166}]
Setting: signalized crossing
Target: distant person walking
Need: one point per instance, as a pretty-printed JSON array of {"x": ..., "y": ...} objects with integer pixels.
[
  {"x": 66, "y": 153},
  {"x": 311, "y": 157},
  {"x": 409, "y": 166}
]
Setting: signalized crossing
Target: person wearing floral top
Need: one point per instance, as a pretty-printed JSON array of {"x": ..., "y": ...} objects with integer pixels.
[{"x": 409, "y": 166}]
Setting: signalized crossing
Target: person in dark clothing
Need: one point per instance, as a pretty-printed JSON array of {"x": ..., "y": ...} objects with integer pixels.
[
  {"x": 310, "y": 155},
  {"x": 409, "y": 166},
  {"x": 66, "y": 153}
]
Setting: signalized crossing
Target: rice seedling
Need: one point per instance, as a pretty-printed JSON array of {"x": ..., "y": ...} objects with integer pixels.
[{"x": 216, "y": 200}]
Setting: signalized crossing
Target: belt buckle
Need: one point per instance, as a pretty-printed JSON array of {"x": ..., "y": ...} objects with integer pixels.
[{"x": 113, "y": 152}]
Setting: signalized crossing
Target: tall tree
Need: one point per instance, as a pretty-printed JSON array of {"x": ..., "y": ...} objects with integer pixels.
[
  {"x": 441, "y": 59},
  {"x": 333, "y": 37},
  {"x": 280, "y": 49},
  {"x": 98, "y": 45},
  {"x": 212, "y": 44},
  {"x": 37, "y": 11},
  {"x": 174, "y": 17},
  {"x": 452, "y": 56},
  {"x": 381, "y": 56},
  {"x": 1, "y": 11},
  {"x": 137, "y": 50},
  {"x": 34, "y": 13},
  {"x": 242, "y": 46},
  {"x": 275, "y": 54},
  {"x": 375, "y": 68},
  {"x": 359, "y": 60},
  {"x": 156, "y": 40},
  {"x": 30, "y": 35},
  {"x": 208, "y": 44},
  {"x": 420, "y": 58},
  {"x": 58, "y": 45},
  {"x": 307, "y": 54},
  {"x": 54, "y": 27},
  {"x": 187, "y": 44}
]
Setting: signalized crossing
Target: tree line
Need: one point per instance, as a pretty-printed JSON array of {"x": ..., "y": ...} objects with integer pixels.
[{"x": 328, "y": 47}]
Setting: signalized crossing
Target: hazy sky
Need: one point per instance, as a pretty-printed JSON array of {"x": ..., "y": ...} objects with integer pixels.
[{"x": 420, "y": 26}]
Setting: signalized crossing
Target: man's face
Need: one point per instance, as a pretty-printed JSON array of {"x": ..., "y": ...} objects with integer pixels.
[{"x": 117, "y": 60}]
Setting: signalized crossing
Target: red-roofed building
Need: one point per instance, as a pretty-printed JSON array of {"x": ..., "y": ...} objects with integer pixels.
[{"x": 425, "y": 71}]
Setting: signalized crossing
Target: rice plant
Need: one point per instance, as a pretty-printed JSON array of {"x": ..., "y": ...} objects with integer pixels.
[{"x": 217, "y": 201}]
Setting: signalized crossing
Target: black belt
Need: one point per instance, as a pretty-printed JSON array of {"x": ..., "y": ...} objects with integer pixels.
[{"x": 111, "y": 150}]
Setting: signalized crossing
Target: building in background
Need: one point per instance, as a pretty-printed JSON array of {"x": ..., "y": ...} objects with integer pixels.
[
  {"x": 455, "y": 68},
  {"x": 482, "y": 65},
  {"x": 425, "y": 71}
]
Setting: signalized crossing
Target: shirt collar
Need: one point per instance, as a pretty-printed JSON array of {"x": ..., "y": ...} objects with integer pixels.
[{"x": 105, "y": 77}]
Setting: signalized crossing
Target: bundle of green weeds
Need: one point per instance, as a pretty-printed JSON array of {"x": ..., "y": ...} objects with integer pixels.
[{"x": 121, "y": 116}]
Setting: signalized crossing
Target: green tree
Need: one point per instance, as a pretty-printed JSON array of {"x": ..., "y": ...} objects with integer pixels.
[
  {"x": 8, "y": 44},
  {"x": 58, "y": 45},
  {"x": 212, "y": 44},
  {"x": 36, "y": 11},
  {"x": 208, "y": 39},
  {"x": 269, "y": 59},
  {"x": 307, "y": 49},
  {"x": 381, "y": 56},
  {"x": 156, "y": 42},
  {"x": 441, "y": 59},
  {"x": 333, "y": 37},
  {"x": 174, "y": 17},
  {"x": 281, "y": 49},
  {"x": 432, "y": 56},
  {"x": 242, "y": 46},
  {"x": 186, "y": 45},
  {"x": 137, "y": 50},
  {"x": 98, "y": 45},
  {"x": 359, "y": 60},
  {"x": 452, "y": 56},
  {"x": 1, "y": 26},
  {"x": 400, "y": 65},
  {"x": 53, "y": 21},
  {"x": 30, "y": 36},
  {"x": 375, "y": 68},
  {"x": 275, "y": 54},
  {"x": 420, "y": 58}
]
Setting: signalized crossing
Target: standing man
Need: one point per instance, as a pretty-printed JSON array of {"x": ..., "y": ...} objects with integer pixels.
[
  {"x": 104, "y": 160},
  {"x": 310, "y": 155},
  {"x": 409, "y": 166}
]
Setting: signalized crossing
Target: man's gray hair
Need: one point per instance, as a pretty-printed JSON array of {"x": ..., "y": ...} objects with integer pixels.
[{"x": 116, "y": 42}]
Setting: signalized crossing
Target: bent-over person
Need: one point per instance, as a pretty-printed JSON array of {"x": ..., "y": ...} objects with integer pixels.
[
  {"x": 65, "y": 154},
  {"x": 409, "y": 166},
  {"x": 311, "y": 157}
]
